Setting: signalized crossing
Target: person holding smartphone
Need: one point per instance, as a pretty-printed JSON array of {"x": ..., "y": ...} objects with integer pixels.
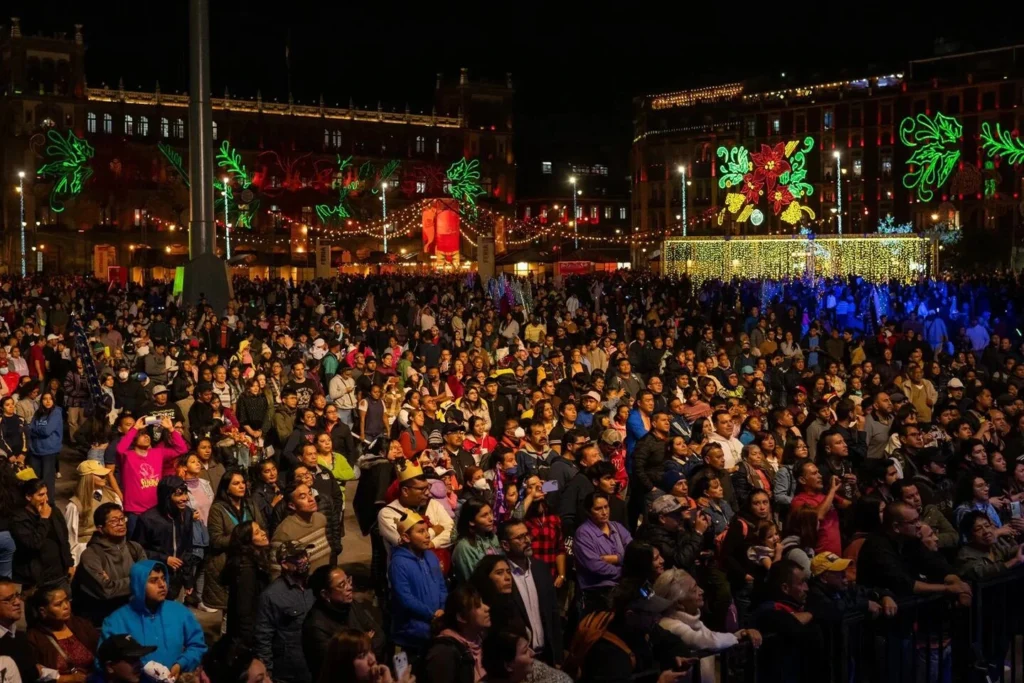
[{"x": 811, "y": 493}]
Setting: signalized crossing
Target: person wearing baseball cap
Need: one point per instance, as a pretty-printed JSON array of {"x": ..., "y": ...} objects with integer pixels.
[
  {"x": 277, "y": 636},
  {"x": 95, "y": 487},
  {"x": 830, "y": 595},
  {"x": 591, "y": 403},
  {"x": 120, "y": 658}
]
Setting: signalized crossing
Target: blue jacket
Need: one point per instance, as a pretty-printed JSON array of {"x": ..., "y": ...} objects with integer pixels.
[
  {"x": 45, "y": 434},
  {"x": 417, "y": 591},
  {"x": 635, "y": 430},
  {"x": 171, "y": 628}
]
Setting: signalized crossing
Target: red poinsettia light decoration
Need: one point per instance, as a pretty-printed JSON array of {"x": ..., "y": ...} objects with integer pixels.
[
  {"x": 751, "y": 188},
  {"x": 769, "y": 164},
  {"x": 780, "y": 197}
]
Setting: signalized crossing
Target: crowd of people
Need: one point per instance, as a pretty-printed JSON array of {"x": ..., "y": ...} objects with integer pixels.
[{"x": 602, "y": 478}]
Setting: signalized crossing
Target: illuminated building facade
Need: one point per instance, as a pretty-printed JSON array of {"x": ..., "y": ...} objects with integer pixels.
[
  {"x": 293, "y": 153},
  {"x": 883, "y": 126}
]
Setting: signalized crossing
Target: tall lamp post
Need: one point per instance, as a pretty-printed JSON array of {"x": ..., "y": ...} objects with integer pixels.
[
  {"x": 384, "y": 210},
  {"x": 575, "y": 214},
  {"x": 21, "y": 226},
  {"x": 839, "y": 194},
  {"x": 682, "y": 195},
  {"x": 227, "y": 226}
]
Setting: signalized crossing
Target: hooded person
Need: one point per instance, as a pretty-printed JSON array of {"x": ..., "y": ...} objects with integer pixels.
[
  {"x": 154, "y": 621},
  {"x": 165, "y": 532}
]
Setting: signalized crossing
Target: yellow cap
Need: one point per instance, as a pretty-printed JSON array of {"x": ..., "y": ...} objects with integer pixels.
[{"x": 407, "y": 522}]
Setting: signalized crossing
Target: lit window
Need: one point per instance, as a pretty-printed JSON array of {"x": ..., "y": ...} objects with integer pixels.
[
  {"x": 594, "y": 212},
  {"x": 214, "y": 130},
  {"x": 601, "y": 170},
  {"x": 607, "y": 213},
  {"x": 827, "y": 120},
  {"x": 143, "y": 127},
  {"x": 751, "y": 127},
  {"x": 421, "y": 144},
  {"x": 140, "y": 216},
  {"x": 776, "y": 125},
  {"x": 129, "y": 125},
  {"x": 108, "y": 124},
  {"x": 421, "y": 187},
  {"x": 857, "y": 167},
  {"x": 307, "y": 214},
  {"x": 579, "y": 212},
  {"x": 545, "y": 167},
  {"x": 47, "y": 123},
  {"x": 165, "y": 128},
  {"x": 179, "y": 128},
  {"x": 622, "y": 213},
  {"x": 527, "y": 213},
  {"x": 327, "y": 137},
  {"x": 886, "y": 164},
  {"x": 437, "y": 146},
  {"x": 90, "y": 122},
  {"x": 336, "y": 139}
]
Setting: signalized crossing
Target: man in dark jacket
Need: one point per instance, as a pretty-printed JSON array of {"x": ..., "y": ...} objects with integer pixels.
[
  {"x": 102, "y": 582},
  {"x": 200, "y": 415},
  {"x": 165, "y": 532},
  {"x": 570, "y": 503},
  {"x": 129, "y": 393},
  {"x": 534, "y": 601},
  {"x": 500, "y": 403},
  {"x": 334, "y": 610},
  {"x": 564, "y": 466},
  {"x": 284, "y": 605},
  {"x": 14, "y": 646},
  {"x": 42, "y": 553},
  {"x": 831, "y": 596},
  {"x": 797, "y": 654},
  {"x": 677, "y": 534},
  {"x": 648, "y": 463}
]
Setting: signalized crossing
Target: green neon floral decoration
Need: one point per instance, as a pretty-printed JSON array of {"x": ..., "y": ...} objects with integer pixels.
[
  {"x": 342, "y": 209},
  {"x": 777, "y": 173},
  {"x": 1002, "y": 144},
  {"x": 69, "y": 167},
  {"x": 464, "y": 181},
  {"x": 934, "y": 156},
  {"x": 230, "y": 160}
]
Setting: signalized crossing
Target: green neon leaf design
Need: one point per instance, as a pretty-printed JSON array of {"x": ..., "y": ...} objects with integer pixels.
[
  {"x": 464, "y": 181},
  {"x": 735, "y": 164},
  {"x": 1002, "y": 144},
  {"x": 933, "y": 157},
  {"x": 228, "y": 158},
  {"x": 175, "y": 161},
  {"x": 69, "y": 167},
  {"x": 325, "y": 212},
  {"x": 798, "y": 171}
]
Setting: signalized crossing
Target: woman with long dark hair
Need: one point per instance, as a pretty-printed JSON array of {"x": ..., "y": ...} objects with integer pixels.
[
  {"x": 61, "y": 641},
  {"x": 739, "y": 568},
  {"x": 350, "y": 657},
  {"x": 784, "y": 486},
  {"x": 456, "y": 652},
  {"x": 476, "y": 533},
  {"x": 231, "y": 507},
  {"x": 13, "y": 431},
  {"x": 246, "y": 573},
  {"x": 642, "y": 563},
  {"x": 45, "y": 437}
]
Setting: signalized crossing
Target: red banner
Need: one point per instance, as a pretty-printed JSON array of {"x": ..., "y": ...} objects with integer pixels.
[
  {"x": 441, "y": 228},
  {"x": 574, "y": 267}
]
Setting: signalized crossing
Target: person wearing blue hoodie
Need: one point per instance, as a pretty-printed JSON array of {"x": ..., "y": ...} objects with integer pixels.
[
  {"x": 153, "y": 620},
  {"x": 418, "y": 590},
  {"x": 45, "y": 435}
]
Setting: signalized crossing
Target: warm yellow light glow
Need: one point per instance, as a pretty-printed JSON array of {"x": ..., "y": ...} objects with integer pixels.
[
  {"x": 572, "y": 179},
  {"x": 167, "y": 249},
  {"x": 21, "y": 174}
]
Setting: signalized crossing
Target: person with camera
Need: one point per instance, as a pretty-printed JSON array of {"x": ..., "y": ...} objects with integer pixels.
[{"x": 677, "y": 533}]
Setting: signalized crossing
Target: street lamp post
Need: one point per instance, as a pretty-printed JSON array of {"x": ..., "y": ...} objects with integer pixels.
[
  {"x": 839, "y": 194},
  {"x": 227, "y": 226},
  {"x": 21, "y": 197},
  {"x": 575, "y": 214},
  {"x": 682, "y": 195},
  {"x": 384, "y": 210}
]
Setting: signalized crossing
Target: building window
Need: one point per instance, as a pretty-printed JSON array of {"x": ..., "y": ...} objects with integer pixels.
[
  {"x": 437, "y": 146},
  {"x": 855, "y": 116},
  {"x": 858, "y": 167},
  {"x": 47, "y": 123},
  {"x": 622, "y": 213},
  {"x": 594, "y": 212},
  {"x": 143, "y": 126},
  {"x": 129, "y": 125},
  {"x": 179, "y": 128},
  {"x": 214, "y": 130},
  {"x": 307, "y": 215},
  {"x": 607, "y": 213},
  {"x": 800, "y": 122},
  {"x": 527, "y": 214},
  {"x": 579, "y": 212},
  {"x": 336, "y": 139},
  {"x": 751, "y": 127},
  {"x": 421, "y": 144},
  {"x": 776, "y": 125},
  {"x": 601, "y": 170},
  {"x": 327, "y": 137},
  {"x": 108, "y": 124},
  {"x": 421, "y": 187},
  {"x": 165, "y": 128},
  {"x": 953, "y": 105},
  {"x": 90, "y": 122},
  {"x": 828, "y": 119},
  {"x": 140, "y": 217},
  {"x": 545, "y": 167},
  {"x": 886, "y": 163}
]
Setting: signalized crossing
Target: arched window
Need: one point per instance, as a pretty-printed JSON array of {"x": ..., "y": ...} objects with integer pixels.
[
  {"x": 214, "y": 130},
  {"x": 129, "y": 125},
  {"x": 179, "y": 128},
  {"x": 143, "y": 128},
  {"x": 327, "y": 138},
  {"x": 336, "y": 139},
  {"x": 165, "y": 128},
  {"x": 90, "y": 122},
  {"x": 108, "y": 124},
  {"x": 421, "y": 144}
]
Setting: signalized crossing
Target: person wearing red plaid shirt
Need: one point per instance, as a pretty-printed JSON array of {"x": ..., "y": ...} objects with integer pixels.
[{"x": 546, "y": 536}]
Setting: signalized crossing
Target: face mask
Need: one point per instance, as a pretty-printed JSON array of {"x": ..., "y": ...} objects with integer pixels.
[
  {"x": 4, "y": 370},
  {"x": 512, "y": 472},
  {"x": 481, "y": 484},
  {"x": 520, "y": 432},
  {"x": 123, "y": 375},
  {"x": 302, "y": 566}
]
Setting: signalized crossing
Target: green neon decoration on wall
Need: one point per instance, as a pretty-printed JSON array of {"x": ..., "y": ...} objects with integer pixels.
[
  {"x": 230, "y": 160},
  {"x": 1002, "y": 144},
  {"x": 777, "y": 173},
  {"x": 342, "y": 209},
  {"x": 932, "y": 139},
  {"x": 69, "y": 167},
  {"x": 464, "y": 181},
  {"x": 174, "y": 159}
]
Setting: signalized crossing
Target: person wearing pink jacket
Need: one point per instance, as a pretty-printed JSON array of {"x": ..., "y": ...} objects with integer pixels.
[{"x": 141, "y": 463}]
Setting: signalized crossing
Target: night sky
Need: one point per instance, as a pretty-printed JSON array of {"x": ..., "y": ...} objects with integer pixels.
[{"x": 575, "y": 73}]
